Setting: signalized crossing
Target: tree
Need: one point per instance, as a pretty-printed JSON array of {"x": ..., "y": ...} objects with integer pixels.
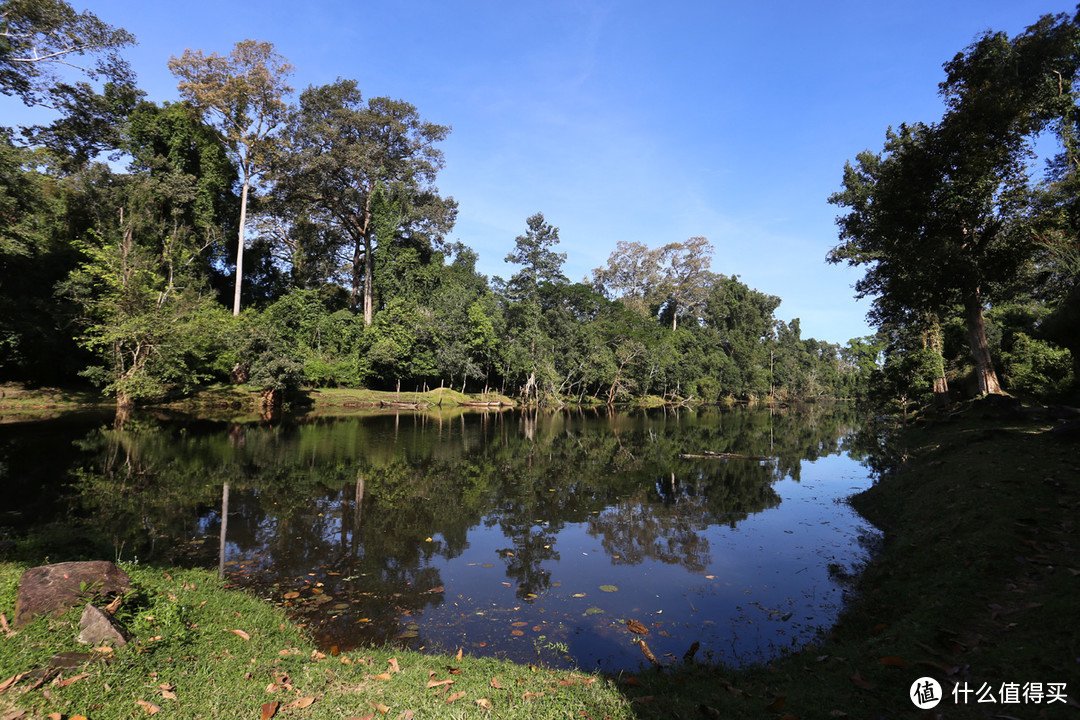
[
  {"x": 529, "y": 351},
  {"x": 146, "y": 316},
  {"x": 39, "y": 37},
  {"x": 686, "y": 277},
  {"x": 935, "y": 215},
  {"x": 631, "y": 276},
  {"x": 671, "y": 280},
  {"x": 242, "y": 97},
  {"x": 365, "y": 172}
]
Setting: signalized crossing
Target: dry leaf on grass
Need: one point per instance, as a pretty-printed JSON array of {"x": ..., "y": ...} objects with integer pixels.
[
  {"x": 240, "y": 633},
  {"x": 859, "y": 682},
  {"x": 394, "y": 667},
  {"x": 893, "y": 661},
  {"x": 149, "y": 707},
  {"x": 12, "y": 680},
  {"x": 268, "y": 710},
  {"x": 74, "y": 679},
  {"x": 439, "y": 683},
  {"x": 300, "y": 703},
  {"x": 455, "y": 697}
]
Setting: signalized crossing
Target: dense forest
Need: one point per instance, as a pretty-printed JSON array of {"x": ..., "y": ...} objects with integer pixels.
[{"x": 249, "y": 233}]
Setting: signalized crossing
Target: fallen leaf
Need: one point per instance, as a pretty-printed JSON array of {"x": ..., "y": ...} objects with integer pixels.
[
  {"x": 517, "y": 633},
  {"x": 575, "y": 595},
  {"x": 300, "y": 703},
  {"x": 609, "y": 588},
  {"x": 460, "y": 653},
  {"x": 55, "y": 716},
  {"x": 531, "y": 695},
  {"x": 383, "y": 676},
  {"x": 12, "y": 680},
  {"x": 893, "y": 661},
  {"x": 383, "y": 709},
  {"x": 439, "y": 683},
  {"x": 70, "y": 680},
  {"x": 168, "y": 694},
  {"x": 14, "y": 716},
  {"x": 777, "y": 704},
  {"x": 484, "y": 703},
  {"x": 149, "y": 707},
  {"x": 455, "y": 697},
  {"x": 635, "y": 627},
  {"x": 519, "y": 623},
  {"x": 291, "y": 595},
  {"x": 241, "y": 634},
  {"x": 268, "y": 710},
  {"x": 394, "y": 667},
  {"x": 859, "y": 682},
  {"x": 407, "y": 715},
  {"x": 496, "y": 684}
]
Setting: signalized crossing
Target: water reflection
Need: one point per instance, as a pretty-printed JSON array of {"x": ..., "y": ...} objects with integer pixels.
[{"x": 496, "y": 531}]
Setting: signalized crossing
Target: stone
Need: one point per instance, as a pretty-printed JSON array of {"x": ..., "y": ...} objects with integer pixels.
[
  {"x": 97, "y": 628},
  {"x": 53, "y": 589}
]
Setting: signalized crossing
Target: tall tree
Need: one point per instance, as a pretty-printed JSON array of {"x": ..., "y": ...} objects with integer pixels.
[
  {"x": 366, "y": 173},
  {"x": 933, "y": 215},
  {"x": 242, "y": 96},
  {"x": 686, "y": 276}
]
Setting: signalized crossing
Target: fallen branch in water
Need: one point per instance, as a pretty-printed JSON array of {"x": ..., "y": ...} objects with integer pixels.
[{"x": 722, "y": 456}]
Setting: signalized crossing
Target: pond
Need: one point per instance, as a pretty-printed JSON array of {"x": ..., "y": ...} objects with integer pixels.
[{"x": 531, "y": 536}]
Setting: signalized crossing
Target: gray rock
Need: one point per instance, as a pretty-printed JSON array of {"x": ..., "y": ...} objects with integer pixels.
[
  {"x": 55, "y": 588},
  {"x": 97, "y": 628}
]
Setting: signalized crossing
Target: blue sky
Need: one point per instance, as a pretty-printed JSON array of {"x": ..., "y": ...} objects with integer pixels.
[{"x": 623, "y": 120}]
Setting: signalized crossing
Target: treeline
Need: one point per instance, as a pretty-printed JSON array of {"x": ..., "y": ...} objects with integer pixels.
[
  {"x": 320, "y": 223},
  {"x": 971, "y": 253}
]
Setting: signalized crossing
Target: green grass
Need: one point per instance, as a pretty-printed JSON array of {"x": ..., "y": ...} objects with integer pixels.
[{"x": 188, "y": 661}]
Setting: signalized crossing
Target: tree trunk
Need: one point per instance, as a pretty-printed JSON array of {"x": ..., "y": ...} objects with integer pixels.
[
  {"x": 932, "y": 339},
  {"x": 369, "y": 298},
  {"x": 124, "y": 406},
  {"x": 240, "y": 248},
  {"x": 980, "y": 349}
]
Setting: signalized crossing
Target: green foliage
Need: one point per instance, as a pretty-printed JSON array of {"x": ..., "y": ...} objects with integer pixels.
[
  {"x": 1036, "y": 367},
  {"x": 37, "y": 37}
]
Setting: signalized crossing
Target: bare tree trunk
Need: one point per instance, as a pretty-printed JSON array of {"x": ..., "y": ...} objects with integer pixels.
[
  {"x": 980, "y": 349},
  {"x": 369, "y": 296},
  {"x": 240, "y": 248}
]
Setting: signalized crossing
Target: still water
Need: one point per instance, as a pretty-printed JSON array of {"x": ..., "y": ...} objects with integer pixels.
[{"x": 532, "y": 536}]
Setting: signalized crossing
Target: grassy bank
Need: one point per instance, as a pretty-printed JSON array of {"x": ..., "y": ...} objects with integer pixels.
[
  {"x": 978, "y": 582},
  {"x": 205, "y": 652}
]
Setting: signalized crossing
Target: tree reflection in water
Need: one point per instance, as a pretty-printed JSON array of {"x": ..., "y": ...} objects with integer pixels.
[{"x": 442, "y": 529}]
